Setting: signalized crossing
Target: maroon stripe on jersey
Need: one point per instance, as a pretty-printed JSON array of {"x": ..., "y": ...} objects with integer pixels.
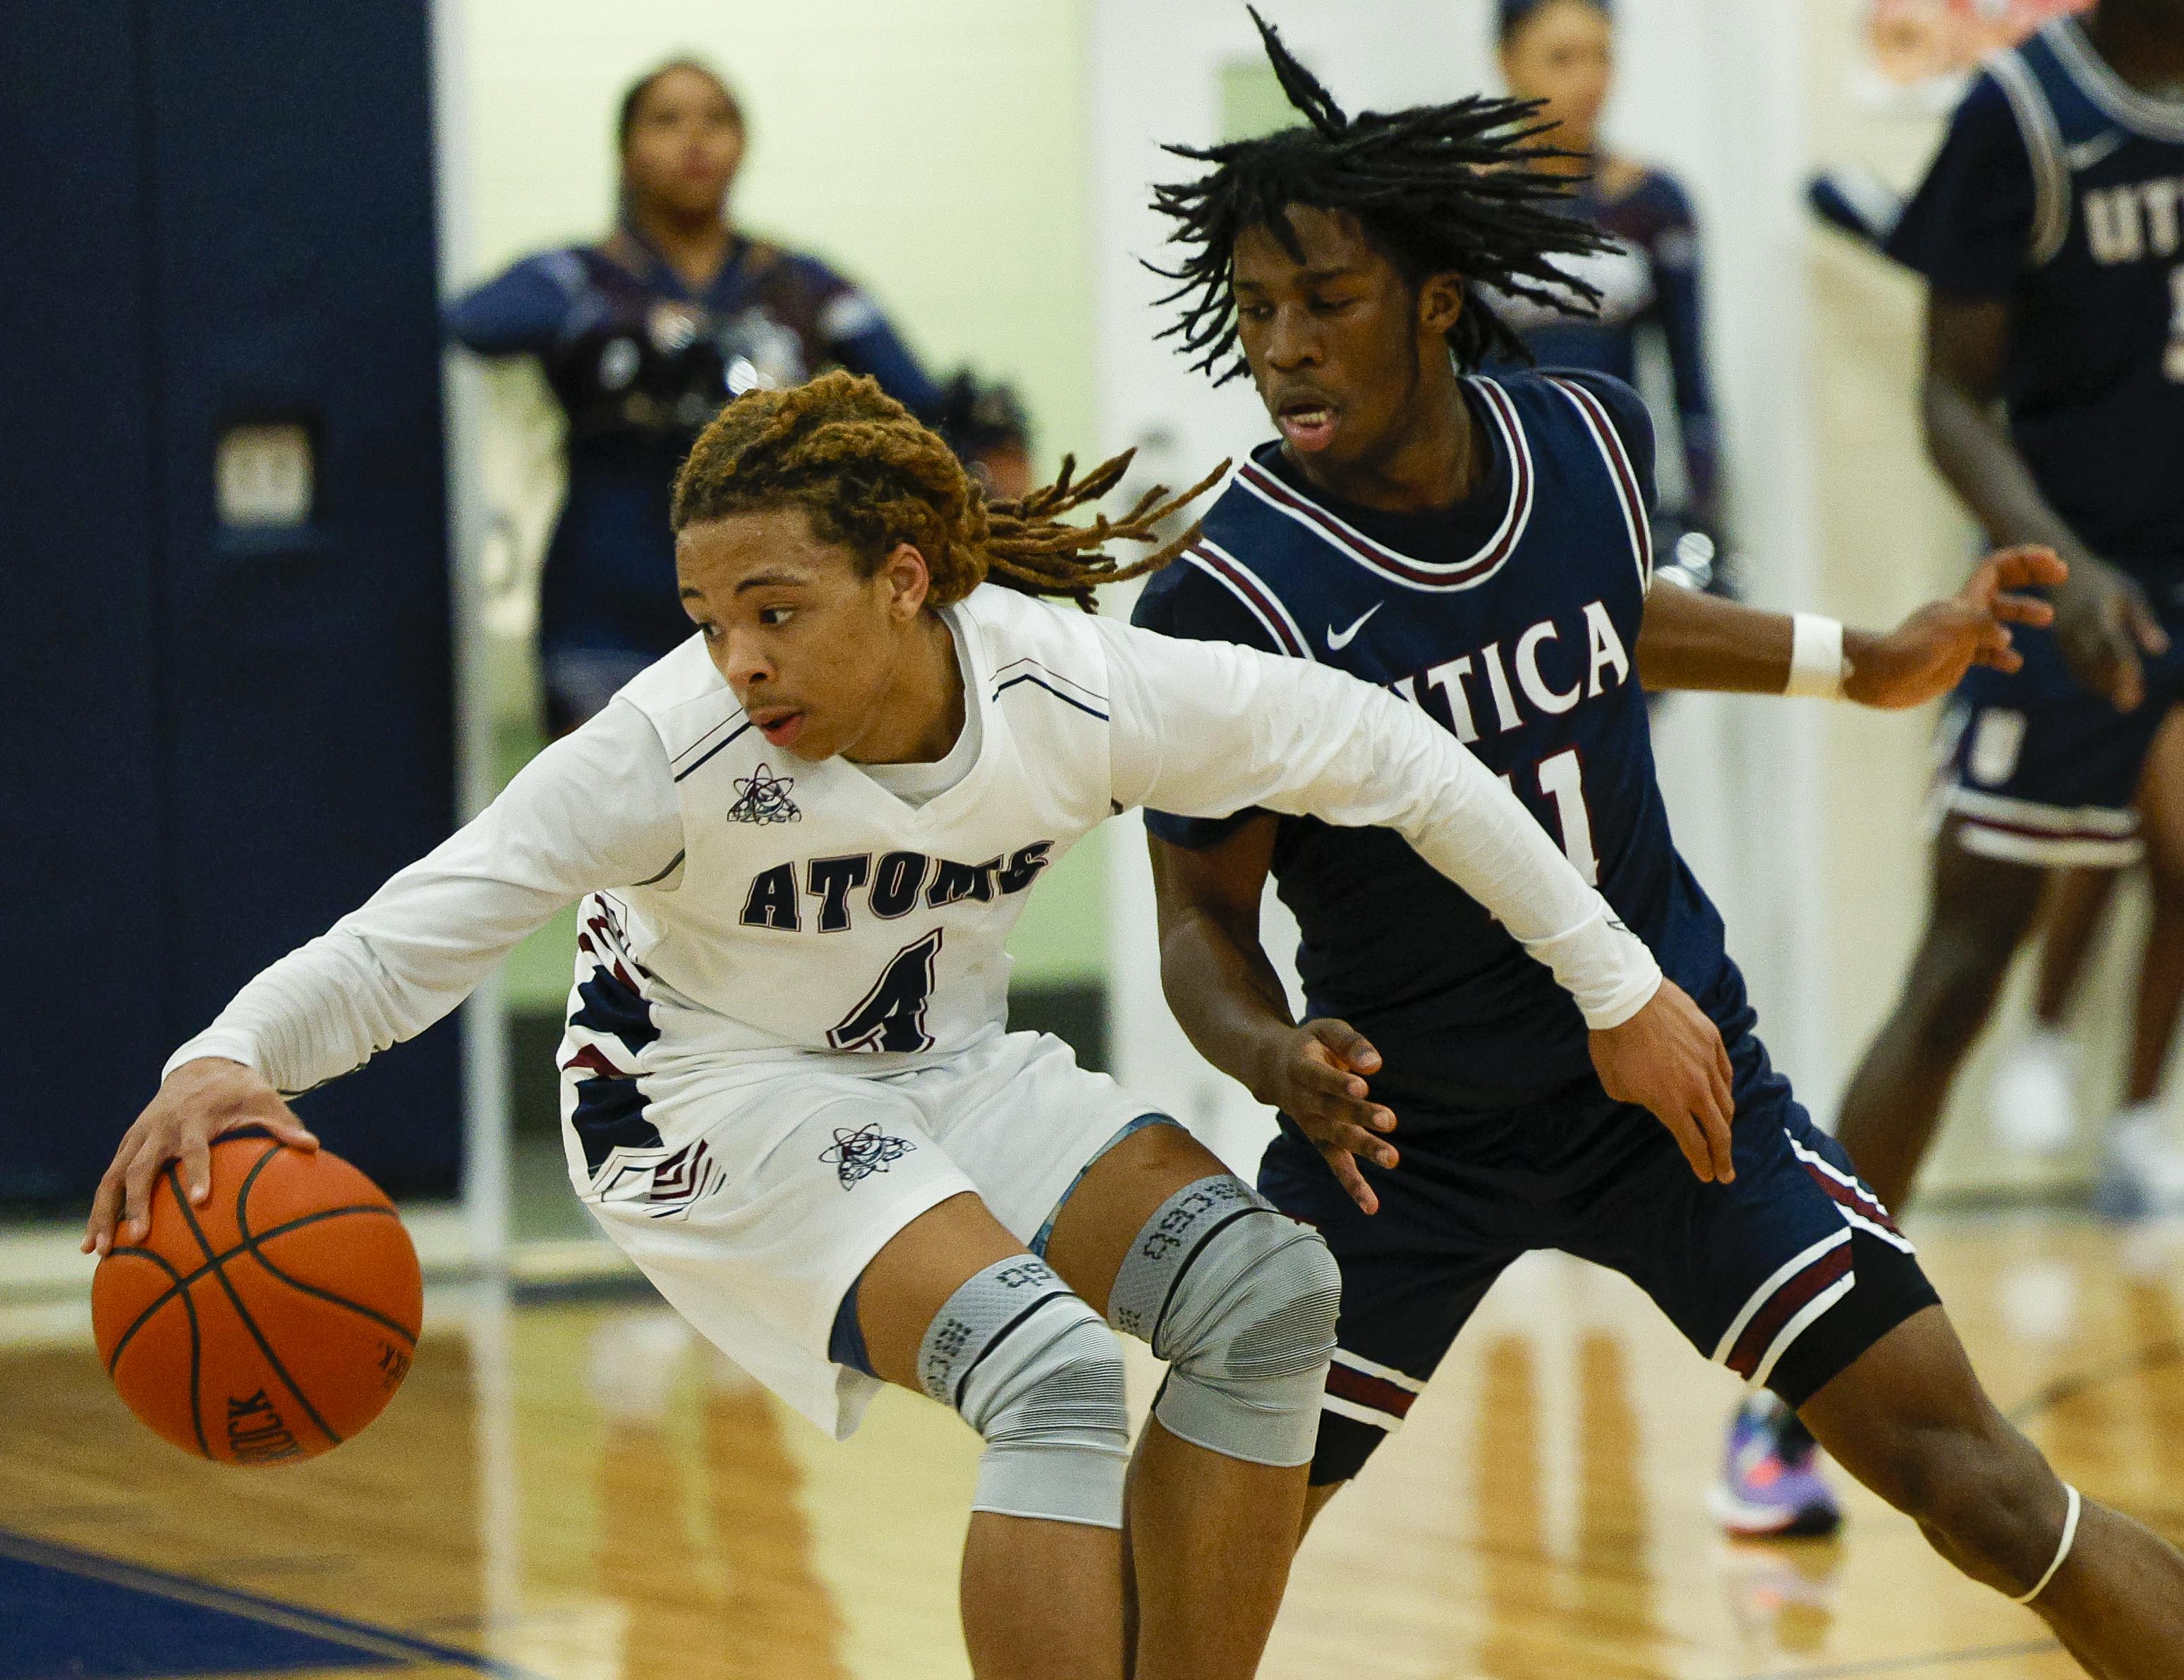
[
  {"x": 1256, "y": 593},
  {"x": 2029, "y": 831},
  {"x": 592, "y": 1060},
  {"x": 1785, "y": 1304},
  {"x": 1626, "y": 475},
  {"x": 1855, "y": 1197},
  {"x": 1345, "y": 1382}
]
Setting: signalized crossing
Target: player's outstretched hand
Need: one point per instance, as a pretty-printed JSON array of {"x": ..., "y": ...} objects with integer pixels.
[
  {"x": 1927, "y": 654},
  {"x": 2106, "y": 630},
  {"x": 199, "y": 1100},
  {"x": 1669, "y": 1057},
  {"x": 1317, "y": 1079}
]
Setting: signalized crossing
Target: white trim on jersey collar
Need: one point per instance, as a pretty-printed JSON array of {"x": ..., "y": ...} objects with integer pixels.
[
  {"x": 1622, "y": 473},
  {"x": 2143, "y": 113},
  {"x": 1428, "y": 577},
  {"x": 2043, "y": 147},
  {"x": 1249, "y": 587}
]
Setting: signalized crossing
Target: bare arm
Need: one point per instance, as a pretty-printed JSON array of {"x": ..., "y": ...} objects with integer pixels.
[
  {"x": 1230, "y": 1003},
  {"x": 1691, "y": 640},
  {"x": 1209, "y": 729},
  {"x": 2101, "y": 616}
]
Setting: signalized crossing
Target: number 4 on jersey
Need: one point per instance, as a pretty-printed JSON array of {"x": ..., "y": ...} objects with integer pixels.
[{"x": 892, "y": 1016}]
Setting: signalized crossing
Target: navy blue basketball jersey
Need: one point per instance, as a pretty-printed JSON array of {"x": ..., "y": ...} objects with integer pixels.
[
  {"x": 2060, "y": 190},
  {"x": 1511, "y": 619}
]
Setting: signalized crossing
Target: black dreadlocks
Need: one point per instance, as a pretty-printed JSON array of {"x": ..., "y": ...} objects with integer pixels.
[{"x": 1440, "y": 189}]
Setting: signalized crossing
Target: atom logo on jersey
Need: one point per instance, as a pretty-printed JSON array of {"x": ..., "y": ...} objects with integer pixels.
[
  {"x": 856, "y": 1155},
  {"x": 763, "y": 796}
]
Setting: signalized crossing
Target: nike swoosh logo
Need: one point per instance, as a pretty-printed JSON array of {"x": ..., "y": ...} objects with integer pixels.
[{"x": 1337, "y": 640}]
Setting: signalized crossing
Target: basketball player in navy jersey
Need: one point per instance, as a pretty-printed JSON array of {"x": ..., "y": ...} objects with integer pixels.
[
  {"x": 2051, "y": 233},
  {"x": 1479, "y": 546}
]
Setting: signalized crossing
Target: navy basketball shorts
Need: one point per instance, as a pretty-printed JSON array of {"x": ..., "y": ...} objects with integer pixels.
[
  {"x": 2040, "y": 770},
  {"x": 1786, "y": 1275}
]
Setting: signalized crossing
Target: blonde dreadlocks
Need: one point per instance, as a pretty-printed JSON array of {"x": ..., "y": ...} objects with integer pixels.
[{"x": 870, "y": 477}]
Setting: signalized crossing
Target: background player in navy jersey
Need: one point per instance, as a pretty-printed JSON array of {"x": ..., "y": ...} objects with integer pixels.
[
  {"x": 2051, "y": 232},
  {"x": 1561, "y": 53},
  {"x": 1479, "y": 546},
  {"x": 2033, "y": 1102},
  {"x": 643, "y": 336}
]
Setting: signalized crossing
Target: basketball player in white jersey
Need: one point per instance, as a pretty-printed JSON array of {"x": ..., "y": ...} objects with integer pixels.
[{"x": 789, "y": 1095}]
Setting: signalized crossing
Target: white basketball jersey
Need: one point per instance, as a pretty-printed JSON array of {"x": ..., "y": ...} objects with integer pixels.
[
  {"x": 812, "y": 910},
  {"x": 739, "y": 904}
]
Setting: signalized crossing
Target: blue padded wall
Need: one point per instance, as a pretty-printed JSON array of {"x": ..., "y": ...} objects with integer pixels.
[{"x": 233, "y": 734}]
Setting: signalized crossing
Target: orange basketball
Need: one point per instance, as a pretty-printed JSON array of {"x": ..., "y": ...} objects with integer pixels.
[{"x": 271, "y": 1323}]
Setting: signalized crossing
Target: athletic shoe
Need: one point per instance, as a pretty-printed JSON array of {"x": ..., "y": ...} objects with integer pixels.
[
  {"x": 2032, "y": 1108},
  {"x": 2142, "y": 1170},
  {"x": 1771, "y": 1486}
]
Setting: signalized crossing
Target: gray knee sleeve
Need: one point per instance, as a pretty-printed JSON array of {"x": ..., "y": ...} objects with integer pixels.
[
  {"x": 1241, "y": 1302},
  {"x": 1031, "y": 1367}
]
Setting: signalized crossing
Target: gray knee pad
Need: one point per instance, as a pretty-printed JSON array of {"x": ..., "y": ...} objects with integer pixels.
[
  {"x": 1031, "y": 1367},
  {"x": 1241, "y": 1302}
]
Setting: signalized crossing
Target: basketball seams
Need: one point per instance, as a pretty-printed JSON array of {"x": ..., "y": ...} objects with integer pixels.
[
  {"x": 328, "y": 1296},
  {"x": 235, "y": 1299},
  {"x": 252, "y": 1244},
  {"x": 197, "y": 1362},
  {"x": 190, "y": 1309},
  {"x": 181, "y": 1283}
]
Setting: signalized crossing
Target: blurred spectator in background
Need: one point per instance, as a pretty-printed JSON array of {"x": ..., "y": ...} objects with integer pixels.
[
  {"x": 1561, "y": 53},
  {"x": 643, "y": 336},
  {"x": 986, "y": 425}
]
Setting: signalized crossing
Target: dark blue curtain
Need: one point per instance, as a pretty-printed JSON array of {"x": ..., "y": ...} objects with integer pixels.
[{"x": 215, "y": 739}]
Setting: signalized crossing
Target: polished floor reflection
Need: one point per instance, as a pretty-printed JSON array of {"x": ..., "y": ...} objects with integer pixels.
[{"x": 574, "y": 1490}]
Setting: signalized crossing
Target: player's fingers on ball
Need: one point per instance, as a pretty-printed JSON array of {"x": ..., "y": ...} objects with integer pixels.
[
  {"x": 105, "y": 1208},
  {"x": 136, "y": 1193},
  {"x": 197, "y": 1168}
]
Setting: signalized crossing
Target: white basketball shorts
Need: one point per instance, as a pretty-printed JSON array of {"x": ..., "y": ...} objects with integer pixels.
[{"x": 753, "y": 1196}]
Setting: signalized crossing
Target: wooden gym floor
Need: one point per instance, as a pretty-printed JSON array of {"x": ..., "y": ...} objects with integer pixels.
[{"x": 570, "y": 1489}]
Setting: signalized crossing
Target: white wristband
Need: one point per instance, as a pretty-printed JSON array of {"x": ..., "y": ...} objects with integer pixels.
[
  {"x": 2071, "y": 1508},
  {"x": 1816, "y": 657}
]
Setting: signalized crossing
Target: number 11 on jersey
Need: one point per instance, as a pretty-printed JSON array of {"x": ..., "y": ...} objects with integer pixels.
[{"x": 1562, "y": 782}]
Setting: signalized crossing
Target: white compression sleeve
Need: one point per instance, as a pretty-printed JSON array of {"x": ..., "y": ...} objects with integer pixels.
[
  {"x": 596, "y": 808},
  {"x": 1204, "y": 729}
]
